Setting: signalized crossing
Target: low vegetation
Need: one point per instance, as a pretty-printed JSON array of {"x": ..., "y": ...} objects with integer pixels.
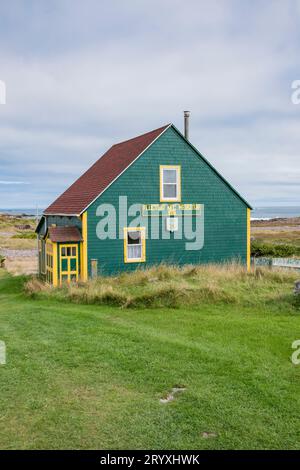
[
  {"x": 25, "y": 235},
  {"x": 274, "y": 250},
  {"x": 276, "y": 238},
  {"x": 277, "y": 222},
  {"x": 17, "y": 233},
  {"x": 175, "y": 287},
  {"x": 13, "y": 222}
]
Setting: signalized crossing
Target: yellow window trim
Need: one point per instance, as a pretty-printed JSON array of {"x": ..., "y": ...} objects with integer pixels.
[
  {"x": 50, "y": 250},
  {"x": 68, "y": 245},
  {"x": 55, "y": 273},
  {"x": 84, "y": 248},
  {"x": 170, "y": 167},
  {"x": 45, "y": 253},
  {"x": 142, "y": 230}
]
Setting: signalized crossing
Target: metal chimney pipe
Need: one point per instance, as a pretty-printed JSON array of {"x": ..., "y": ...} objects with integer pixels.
[{"x": 186, "y": 124}]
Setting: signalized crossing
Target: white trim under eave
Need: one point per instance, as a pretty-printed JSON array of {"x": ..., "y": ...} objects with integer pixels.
[
  {"x": 61, "y": 215},
  {"x": 133, "y": 161}
]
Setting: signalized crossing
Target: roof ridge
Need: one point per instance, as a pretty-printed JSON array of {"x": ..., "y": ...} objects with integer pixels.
[{"x": 142, "y": 135}]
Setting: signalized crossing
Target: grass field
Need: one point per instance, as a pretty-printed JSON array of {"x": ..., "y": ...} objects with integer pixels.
[
  {"x": 91, "y": 376},
  {"x": 14, "y": 236},
  {"x": 276, "y": 232}
]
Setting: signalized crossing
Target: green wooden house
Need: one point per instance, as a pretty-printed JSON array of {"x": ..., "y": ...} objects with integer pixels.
[{"x": 148, "y": 200}]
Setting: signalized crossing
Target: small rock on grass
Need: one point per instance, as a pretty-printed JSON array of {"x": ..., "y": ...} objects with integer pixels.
[
  {"x": 171, "y": 396},
  {"x": 209, "y": 435}
]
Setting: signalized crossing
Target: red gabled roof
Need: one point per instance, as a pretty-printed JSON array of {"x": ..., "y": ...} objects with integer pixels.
[
  {"x": 64, "y": 234},
  {"x": 95, "y": 180}
]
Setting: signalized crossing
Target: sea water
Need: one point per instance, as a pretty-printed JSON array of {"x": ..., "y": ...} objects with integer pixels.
[{"x": 267, "y": 212}]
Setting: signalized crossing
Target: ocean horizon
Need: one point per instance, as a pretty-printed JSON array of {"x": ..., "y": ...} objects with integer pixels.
[{"x": 258, "y": 213}]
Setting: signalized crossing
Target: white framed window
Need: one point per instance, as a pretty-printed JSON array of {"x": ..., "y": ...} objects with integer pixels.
[
  {"x": 134, "y": 245},
  {"x": 170, "y": 183}
]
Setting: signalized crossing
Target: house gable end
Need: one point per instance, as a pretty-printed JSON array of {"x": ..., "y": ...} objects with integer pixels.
[{"x": 171, "y": 128}]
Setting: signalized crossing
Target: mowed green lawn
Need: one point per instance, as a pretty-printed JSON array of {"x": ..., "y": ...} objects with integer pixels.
[{"x": 92, "y": 376}]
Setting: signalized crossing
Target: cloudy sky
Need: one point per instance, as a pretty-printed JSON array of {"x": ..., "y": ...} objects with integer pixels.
[{"x": 82, "y": 75}]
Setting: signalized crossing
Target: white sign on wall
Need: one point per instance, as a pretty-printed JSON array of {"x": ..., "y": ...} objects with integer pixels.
[{"x": 172, "y": 224}]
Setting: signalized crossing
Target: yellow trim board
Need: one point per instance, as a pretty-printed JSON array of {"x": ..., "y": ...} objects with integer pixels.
[
  {"x": 143, "y": 239},
  {"x": 170, "y": 167},
  {"x": 248, "y": 239},
  {"x": 55, "y": 273},
  {"x": 84, "y": 247},
  {"x": 49, "y": 261}
]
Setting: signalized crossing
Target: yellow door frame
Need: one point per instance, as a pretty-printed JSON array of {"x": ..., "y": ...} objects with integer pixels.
[
  {"x": 69, "y": 272},
  {"x": 84, "y": 247}
]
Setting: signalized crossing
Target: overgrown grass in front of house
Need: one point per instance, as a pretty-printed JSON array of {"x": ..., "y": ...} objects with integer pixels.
[{"x": 174, "y": 287}]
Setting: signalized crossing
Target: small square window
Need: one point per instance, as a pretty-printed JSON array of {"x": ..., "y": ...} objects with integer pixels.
[{"x": 134, "y": 244}]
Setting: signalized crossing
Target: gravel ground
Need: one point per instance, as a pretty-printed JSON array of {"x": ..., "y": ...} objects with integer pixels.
[
  {"x": 17, "y": 253},
  {"x": 6, "y": 234},
  {"x": 277, "y": 228}
]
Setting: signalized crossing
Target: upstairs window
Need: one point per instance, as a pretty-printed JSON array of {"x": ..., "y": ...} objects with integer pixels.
[
  {"x": 170, "y": 183},
  {"x": 134, "y": 244}
]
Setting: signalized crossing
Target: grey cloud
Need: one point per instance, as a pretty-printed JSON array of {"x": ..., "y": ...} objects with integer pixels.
[{"x": 104, "y": 74}]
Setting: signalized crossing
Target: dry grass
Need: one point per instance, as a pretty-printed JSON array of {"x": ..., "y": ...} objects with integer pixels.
[
  {"x": 172, "y": 286},
  {"x": 34, "y": 285},
  {"x": 21, "y": 265},
  {"x": 12, "y": 237},
  {"x": 278, "y": 236},
  {"x": 276, "y": 222},
  {"x": 17, "y": 243},
  {"x": 8, "y": 221}
]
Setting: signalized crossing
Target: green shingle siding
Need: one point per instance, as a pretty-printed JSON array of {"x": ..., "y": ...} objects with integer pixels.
[
  {"x": 63, "y": 221},
  {"x": 225, "y": 214}
]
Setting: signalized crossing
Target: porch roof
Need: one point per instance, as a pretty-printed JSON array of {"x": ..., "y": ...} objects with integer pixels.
[{"x": 64, "y": 234}]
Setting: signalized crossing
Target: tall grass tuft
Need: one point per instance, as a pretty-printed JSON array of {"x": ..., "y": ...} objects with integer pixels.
[
  {"x": 173, "y": 286},
  {"x": 34, "y": 286}
]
